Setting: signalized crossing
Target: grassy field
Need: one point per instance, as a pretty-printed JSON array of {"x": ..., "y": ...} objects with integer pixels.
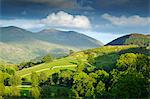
[
  {"x": 50, "y": 67},
  {"x": 104, "y": 56}
]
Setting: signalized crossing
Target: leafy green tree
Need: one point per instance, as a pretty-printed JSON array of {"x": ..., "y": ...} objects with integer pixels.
[
  {"x": 34, "y": 79},
  {"x": 46, "y": 91},
  {"x": 63, "y": 92},
  {"x": 42, "y": 77},
  {"x": 65, "y": 77},
  {"x": 15, "y": 91},
  {"x": 91, "y": 58},
  {"x": 130, "y": 84},
  {"x": 102, "y": 75},
  {"x": 1, "y": 77},
  {"x": 55, "y": 78},
  {"x": 2, "y": 68},
  {"x": 2, "y": 89},
  {"x": 80, "y": 65},
  {"x": 88, "y": 68},
  {"x": 138, "y": 62},
  {"x": 10, "y": 70},
  {"x": 126, "y": 60},
  {"x": 83, "y": 84},
  {"x": 47, "y": 58},
  {"x": 35, "y": 92},
  {"x": 73, "y": 94},
  {"x": 100, "y": 88},
  {"x": 15, "y": 80},
  {"x": 143, "y": 63}
]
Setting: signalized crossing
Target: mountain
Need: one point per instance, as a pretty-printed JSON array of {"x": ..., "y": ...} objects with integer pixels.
[
  {"x": 19, "y": 45},
  {"x": 69, "y": 38},
  {"x": 132, "y": 39}
]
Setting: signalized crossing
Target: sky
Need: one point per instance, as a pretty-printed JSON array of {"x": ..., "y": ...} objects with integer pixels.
[{"x": 103, "y": 20}]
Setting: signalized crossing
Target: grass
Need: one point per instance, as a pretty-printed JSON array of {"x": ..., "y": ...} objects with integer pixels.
[
  {"x": 105, "y": 56},
  {"x": 46, "y": 67}
]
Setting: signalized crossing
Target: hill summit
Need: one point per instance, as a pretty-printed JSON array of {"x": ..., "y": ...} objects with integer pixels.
[
  {"x": 132, "y": 39},
  {"x": 18, "y": 44}
]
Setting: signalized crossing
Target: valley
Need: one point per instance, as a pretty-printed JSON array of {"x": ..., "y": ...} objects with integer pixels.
[
  {"x": 41, "y": 65},
  {"x": 74, "y": 49}
]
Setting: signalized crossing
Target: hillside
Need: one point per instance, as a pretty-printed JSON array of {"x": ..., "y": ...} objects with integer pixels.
[
  {"x": 19, "y": 45},
  {"x": 105, "y": 57},
  {"x": 84, "y": 68},
  {"x": 132, "y": 39}
]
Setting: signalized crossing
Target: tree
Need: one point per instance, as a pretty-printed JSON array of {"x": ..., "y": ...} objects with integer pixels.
[
  {"x": 80, "y": 65},
  {"x": 65, "y": 77},
  {"x": 100, "y": 88},
  {"x": 15, "y": 91},
  {"x": 35, "y": 92},
  {"x": 1, "y": 77},
  {"x": 15, "y": 80},
  {"x": 34, "y": 79},
  {"x": 10, "y": 70},
  {"x": 2, "y": 86},
  {"x": 83, "y": 85},
  {"x": 42, "y": 77},
  {"x": 102, "y": 75},
  {"x": 130, "y": 84},
  {"x": 2, "y": 89},
  {"x": 55, "y": 78},
  {"x": 88, "y": 68},
  {"x": 142, "y": 63},
  {"x": 139, "y": 62},
  {"x": 91, "y": 58},
  {"x": 47, "y": 58},
  {"x": 126, "y": 60},
  {"x": 73, "y": 94}
]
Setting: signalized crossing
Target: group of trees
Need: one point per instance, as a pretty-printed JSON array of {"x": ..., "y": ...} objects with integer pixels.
[
  {"x": 8, "y": 85},
  {"x": 46, "y": 58},
  {"x": 129, "y": 78}
]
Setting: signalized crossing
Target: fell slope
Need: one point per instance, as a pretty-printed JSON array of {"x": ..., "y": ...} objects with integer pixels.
[
  {"x": 19, "y": 45},
  {"x": 132, "y": 39},
  {"x": 105, "y": 58}
]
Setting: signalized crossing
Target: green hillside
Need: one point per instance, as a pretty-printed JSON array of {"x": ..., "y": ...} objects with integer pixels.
[
  {"x": 19, "y": 45},
  {"x": 100, "y": 72},
  {"x": 132, "y": 39},
  {"x": 105, "y": 57}
]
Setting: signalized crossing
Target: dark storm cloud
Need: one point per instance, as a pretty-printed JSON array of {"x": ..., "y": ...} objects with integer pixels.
[
  {"x": 34, "y": 8},
  {"x": 140, "y": 7},
  {"x": 41, "y": 8},
  {"x": 50, "y": 3}
]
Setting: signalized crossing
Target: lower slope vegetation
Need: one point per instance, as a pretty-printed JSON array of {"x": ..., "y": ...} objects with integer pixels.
[{"x": 105, "y": 72}]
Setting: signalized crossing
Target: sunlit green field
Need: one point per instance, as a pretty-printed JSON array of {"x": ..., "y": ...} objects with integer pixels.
[
  {"x": 49, "y": 68},
  {"x": 105, "y": 56}
]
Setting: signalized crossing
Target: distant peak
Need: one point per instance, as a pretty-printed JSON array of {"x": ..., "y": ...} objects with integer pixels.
[
  {"x": 50, "y": 30},
  {"x": 137, "y": 35},
  {"x": 11, "y": 27}
]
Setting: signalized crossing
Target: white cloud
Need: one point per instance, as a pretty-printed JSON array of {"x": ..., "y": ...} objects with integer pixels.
[
  {"x": 54, "y": 20},
  {"x": 64, "y": 19},
  {"x": 134, "y": 20}
]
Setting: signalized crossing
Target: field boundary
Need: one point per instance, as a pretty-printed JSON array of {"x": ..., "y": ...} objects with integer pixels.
[{"x": 54, "y": 67}]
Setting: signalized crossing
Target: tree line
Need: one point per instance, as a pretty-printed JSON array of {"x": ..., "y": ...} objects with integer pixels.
[{"x": 129, "y": 78}]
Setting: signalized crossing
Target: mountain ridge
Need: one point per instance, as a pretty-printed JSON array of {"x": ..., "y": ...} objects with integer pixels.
[
  {"x": 18, "y": 44},
  {"x": 132, "y": 39}
]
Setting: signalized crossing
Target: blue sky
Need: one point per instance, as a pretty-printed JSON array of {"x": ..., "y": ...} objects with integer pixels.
[{"x": 101, "y": 19}]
